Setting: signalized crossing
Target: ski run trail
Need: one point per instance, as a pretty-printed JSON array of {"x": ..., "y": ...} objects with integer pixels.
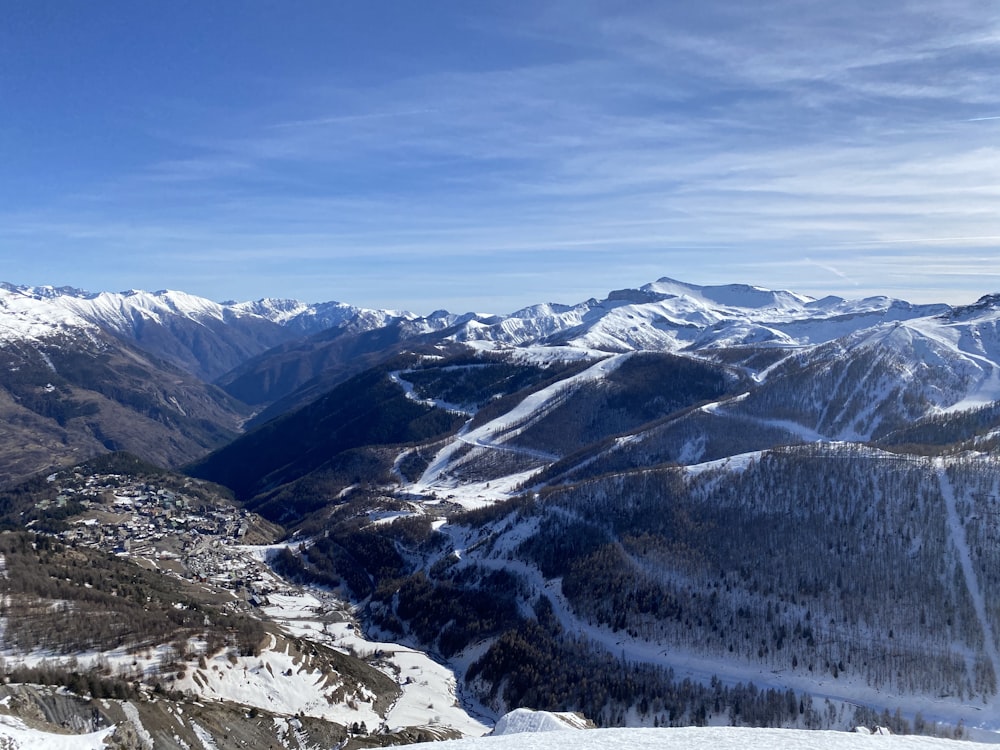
[
  {"x": 495, "y": 433},
  {"x": 958, "y": 538}
]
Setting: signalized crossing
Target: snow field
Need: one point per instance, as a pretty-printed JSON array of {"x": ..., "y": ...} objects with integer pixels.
[
  {"x": 698, "y": 738},
  {"x": 16, "y": 735},
  {"x": 280, "y": 682},
  {"x": 428, "y": 688}
]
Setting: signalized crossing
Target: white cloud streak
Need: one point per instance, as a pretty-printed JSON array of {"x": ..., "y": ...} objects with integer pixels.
[{"x": 761, "y": 131}]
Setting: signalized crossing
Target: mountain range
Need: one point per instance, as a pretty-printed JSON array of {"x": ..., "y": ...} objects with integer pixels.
[
  {"x": 663, "y": 496},
  {"x": 193, "y": 373}
]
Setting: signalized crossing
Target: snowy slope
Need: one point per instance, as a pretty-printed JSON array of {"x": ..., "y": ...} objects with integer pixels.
[
  {"x": 27, "y": 315},
  {"x": 525, "y": 720},
  {"x": 698, "y": 738},
  {"x": 428, "y": 689},
  {"x": 878, "y": 379},
  {"x": 495, "y": 436},
  {"x": 16, "y": 735}
]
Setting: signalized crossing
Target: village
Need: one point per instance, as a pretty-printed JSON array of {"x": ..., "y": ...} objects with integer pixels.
[{"x": 181, "y": 531}]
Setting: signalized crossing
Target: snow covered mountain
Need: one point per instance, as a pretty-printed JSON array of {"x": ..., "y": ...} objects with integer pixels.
[
  {"x": 203, "y": 337},
  {"x": 669, "y": 315},
  {"x": 821, "y": 369},
  {"x": 83, "y": 373},
  {"x": 673, "y": 484},
  {"x": 679, "y": 504},
  {"x": 209, "y": 338},
  {"x": 665, "y": 316}
]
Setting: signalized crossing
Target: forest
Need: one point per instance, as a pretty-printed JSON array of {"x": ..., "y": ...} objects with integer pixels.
[{"x": 836, "y": 562}]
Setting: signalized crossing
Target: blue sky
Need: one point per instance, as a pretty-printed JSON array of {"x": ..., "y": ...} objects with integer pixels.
[{"x": 488, "y": 155}]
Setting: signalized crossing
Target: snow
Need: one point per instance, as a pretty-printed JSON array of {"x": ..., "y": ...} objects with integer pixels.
[
  {"x": 527, "y": 720},
  {"x": 397, "y": 378},
  {"x": 699, "y": 738},
  {"x": 25, "y": 317},
  {"x": 964, "y": 342},
  {"x": 496, "y": 434},
  {"x": 16, "y": 735},
  {"x": 35, "y": 313},
  {"x": 730, "y": 295},
  {"x": 204, "y": 736},
  {"x": 738, "y": 462},
  {"x": 429, "y": 689},
  {"x": 132, "y": 714},
  {"x": 279, "y": 681}
]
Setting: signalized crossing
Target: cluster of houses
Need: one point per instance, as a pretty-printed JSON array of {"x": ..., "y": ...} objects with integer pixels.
[
  {"x": 119, "y": 510},
  {"x": 142, "y": 520}
]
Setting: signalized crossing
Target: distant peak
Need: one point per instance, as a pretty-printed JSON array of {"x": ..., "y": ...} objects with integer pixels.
[
  {"x": 747, "y": 296},
  {"x": 667, "y": 285},
  {"x": 45, "y": 291},
  {"x": 986, "y": 303}
]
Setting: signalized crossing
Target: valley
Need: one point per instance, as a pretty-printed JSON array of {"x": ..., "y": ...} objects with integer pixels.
[
  {"x": 298, "y": 654},
  {"x": 677, "y": 505}
]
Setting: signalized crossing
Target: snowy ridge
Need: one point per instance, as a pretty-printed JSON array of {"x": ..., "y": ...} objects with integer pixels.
[
  {"x": 669, "y": 315},
  {"x": 31, "y": 312},
  {"x": 27, "y": 316},
  {"x": 665, "y": 315}
]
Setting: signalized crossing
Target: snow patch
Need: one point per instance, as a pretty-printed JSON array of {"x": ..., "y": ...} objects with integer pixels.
[
  {"x": 529, "y": 720},
  {"x": 16, "y": 735}
]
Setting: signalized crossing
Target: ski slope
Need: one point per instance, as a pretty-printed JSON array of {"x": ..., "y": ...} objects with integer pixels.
[{"x": 496, "y": 433}]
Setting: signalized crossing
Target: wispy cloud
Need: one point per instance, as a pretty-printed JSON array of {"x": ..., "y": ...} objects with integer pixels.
[
  {"x": 718, "y": 138},
  {"x": 831, "y": 269},
  {"x": 350, "y": 119}
]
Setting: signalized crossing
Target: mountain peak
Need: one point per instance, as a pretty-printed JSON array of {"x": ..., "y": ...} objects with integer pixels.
[
  {"x": 46, "y": 291},
  {"x": 986, "y": 304},
  {"x": 744, "y": 296}
]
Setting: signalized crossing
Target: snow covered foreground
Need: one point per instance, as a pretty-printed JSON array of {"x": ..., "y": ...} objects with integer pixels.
[{"x": 698, "y": 738}]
